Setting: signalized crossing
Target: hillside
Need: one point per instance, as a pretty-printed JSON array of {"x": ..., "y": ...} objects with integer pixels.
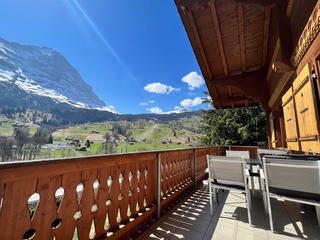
[
  {"x": 142, "y": 136},
  {"x": 123, "y": 133}
]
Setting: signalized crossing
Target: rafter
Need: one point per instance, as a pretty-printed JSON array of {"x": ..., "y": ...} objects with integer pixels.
[
  {"x": 252, "y": 84},
  {"x": 241, "y": 78},
  {"x": 241, "y": 36},
  {"x": 266, "y": 27},
  {"x": 218, "y": 36},
  {"x": 263, "y": 3},
  {"x": 285, "y": 38},
  {"x": 199, "y": 43},
  {"x": 235, "y": 99}
]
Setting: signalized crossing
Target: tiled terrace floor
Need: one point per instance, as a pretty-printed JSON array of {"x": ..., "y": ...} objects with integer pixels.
[{"x": 191, "y": 219}]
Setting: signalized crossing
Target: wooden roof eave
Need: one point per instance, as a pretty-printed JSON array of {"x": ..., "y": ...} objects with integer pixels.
[{"x": 252, "y": 84}]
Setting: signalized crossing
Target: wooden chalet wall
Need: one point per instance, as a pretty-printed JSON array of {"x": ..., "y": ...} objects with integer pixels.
[
  {"x": 301, "y": 113},
  {"x": 253, "y": 52},
  {"x": 300, "y": 102},
  {"x": 294, "y": 95}
]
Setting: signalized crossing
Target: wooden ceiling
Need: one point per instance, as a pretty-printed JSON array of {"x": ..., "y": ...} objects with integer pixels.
[{"x": 230, "y": 39}]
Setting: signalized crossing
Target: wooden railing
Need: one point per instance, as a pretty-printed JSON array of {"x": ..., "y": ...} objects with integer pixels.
[{"x": 96, "y": 197}]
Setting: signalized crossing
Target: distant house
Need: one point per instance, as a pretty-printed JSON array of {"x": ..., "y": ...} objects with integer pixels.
[{"x": 82, "y": 149}]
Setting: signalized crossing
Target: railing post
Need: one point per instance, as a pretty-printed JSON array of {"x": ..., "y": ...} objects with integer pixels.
[
  {"x": 158, "y": 185},
  {"x": 195, "y": 168}
]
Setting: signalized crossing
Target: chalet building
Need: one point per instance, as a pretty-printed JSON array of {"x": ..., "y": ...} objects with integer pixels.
[{"x": 263, "y": 52}]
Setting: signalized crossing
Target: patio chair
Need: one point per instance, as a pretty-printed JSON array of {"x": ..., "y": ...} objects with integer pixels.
[
  {"x": 267, "y": 152},
  {"x": 271, "y": 152},
  {"x": 232, "y": 153},
  {"x": 228, "y": 173},
  {"x": 246, "y": 155},
  {"x": 295, "y": 180}
]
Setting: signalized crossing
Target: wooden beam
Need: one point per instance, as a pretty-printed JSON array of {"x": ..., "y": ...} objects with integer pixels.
[
  {"x": 266, "y": 27},
  {"x": 235, "y": 99},
  {"x": 241, "y": 36},
  {"x": 187, "y": 5},
  {"x": 218, "y": 36},
  {"x": 252, "y": 84},
  {"x": 286, "y": 46},
  {"x": 241, "y": 78},
  {"x": 273, "y": 59},
  {"x": 199, "y": 43},
  {"x": 230, "y": 91},
  {"x": 263, "y": 3},
  {"x": 214, "y": 94}
]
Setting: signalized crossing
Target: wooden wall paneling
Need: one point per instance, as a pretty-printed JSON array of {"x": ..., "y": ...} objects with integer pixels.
[
  {"x": 277, "y": 128},
  {"x": 1, "y": 195},
  {"x": 272, "y": 130},
  {"x": 317, "y": 72}
]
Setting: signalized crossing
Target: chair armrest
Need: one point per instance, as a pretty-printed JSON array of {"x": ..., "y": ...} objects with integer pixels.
[
  {"x": 247, "y": 172},
  {"x": 262, "y": 179},
  {"x": 261, "y": 173}
]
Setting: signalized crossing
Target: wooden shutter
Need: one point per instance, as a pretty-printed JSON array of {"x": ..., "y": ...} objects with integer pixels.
[
  {"x": 306, "y": 110},
  {"x": 290, "y": 120}
]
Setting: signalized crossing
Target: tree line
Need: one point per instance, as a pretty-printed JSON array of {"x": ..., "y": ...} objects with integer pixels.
[
  {"x": 244, "y": 126},
  {"x": 23, "y": 145}
]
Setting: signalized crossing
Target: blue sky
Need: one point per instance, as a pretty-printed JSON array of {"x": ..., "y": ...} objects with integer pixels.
[{"x": 135, "y": 54}]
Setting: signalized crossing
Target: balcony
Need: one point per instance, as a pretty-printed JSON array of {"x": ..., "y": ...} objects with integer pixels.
[{"x": 117, "y": 196}]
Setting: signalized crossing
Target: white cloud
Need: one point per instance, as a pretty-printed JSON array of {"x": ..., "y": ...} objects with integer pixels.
[
  {"x": 191, "y": 102},
  {"x": 177, "y": 108},
  {"x": 159, "y": 88},
  {"x": 155, "y": 110},
  {"x": 143, "y": 104},
  {"x": 151, "y": 101},
  {"x": 194, "y": 80}
]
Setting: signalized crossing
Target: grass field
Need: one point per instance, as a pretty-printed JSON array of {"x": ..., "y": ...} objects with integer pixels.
[
  {"x": 142, "y": 136},
  {"x": 7, "y": 129},
  {"x": 147, "y": 137}
]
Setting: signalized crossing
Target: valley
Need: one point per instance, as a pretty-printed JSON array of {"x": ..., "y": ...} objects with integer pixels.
[{"x": 111, "y": 137}]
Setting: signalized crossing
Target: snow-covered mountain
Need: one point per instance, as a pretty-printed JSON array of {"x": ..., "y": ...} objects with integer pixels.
[{"x": 32, "y": 76}]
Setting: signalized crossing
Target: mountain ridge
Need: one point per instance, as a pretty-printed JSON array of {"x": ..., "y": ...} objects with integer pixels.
[{"x": 44, "y": 76}]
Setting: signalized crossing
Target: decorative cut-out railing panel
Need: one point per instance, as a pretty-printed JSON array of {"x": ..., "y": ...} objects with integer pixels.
[
  {"x": 95, "y": 197},
  {"x": 84, "y": 197},
  {"x": 176, "y": 171},
  {"x": 201, "y": 163}
]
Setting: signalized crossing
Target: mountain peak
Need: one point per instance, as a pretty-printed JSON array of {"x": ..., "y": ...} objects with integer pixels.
[{"x": 42, "y": 72}]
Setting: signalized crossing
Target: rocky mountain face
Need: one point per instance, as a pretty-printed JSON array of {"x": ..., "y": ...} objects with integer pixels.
[{"x": 42, "y": 78}]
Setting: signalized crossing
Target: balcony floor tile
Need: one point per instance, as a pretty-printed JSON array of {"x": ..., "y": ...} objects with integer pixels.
[{"x": 191, "y": 219}]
